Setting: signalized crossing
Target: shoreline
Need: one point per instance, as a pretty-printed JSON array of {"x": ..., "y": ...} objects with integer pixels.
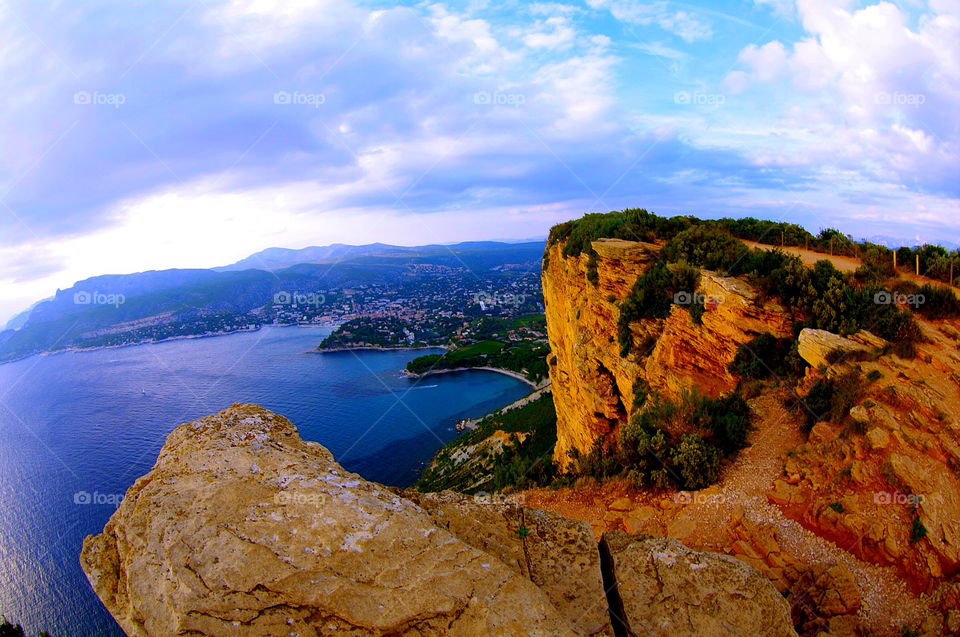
[
  {"x": 498, "y": 370},
  {"x": 96, "y": 348},
  {"x": 469, "y": 424},
  {"x": 372, "y": 348}
]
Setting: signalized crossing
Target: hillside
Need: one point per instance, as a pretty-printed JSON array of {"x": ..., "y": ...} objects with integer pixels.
[
  {"x": 674, "y": 358},
  {"x": 149, "y": 306}
]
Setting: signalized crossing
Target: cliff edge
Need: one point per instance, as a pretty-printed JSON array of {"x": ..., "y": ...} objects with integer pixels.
[{"x": 243, "y": 528}]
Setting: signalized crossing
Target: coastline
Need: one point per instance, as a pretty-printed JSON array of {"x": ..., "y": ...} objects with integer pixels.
[
  {"x": 499, "y": 370},
  {"x": 471, "y": 423},
  {"x": 95, "y": 348},
  {"x": 373, "y": 348}
]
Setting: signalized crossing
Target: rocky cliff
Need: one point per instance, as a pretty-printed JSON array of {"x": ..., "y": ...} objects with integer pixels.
[
  {"x": 242, "y": 528},
  {"x": 850, "y": 504},
  {"x": 593, "y": 385}
]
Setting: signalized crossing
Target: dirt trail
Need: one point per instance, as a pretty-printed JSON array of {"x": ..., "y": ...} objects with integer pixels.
[
  {"x": 887, "y": 603},
  {"x": 844, "y": 264}
]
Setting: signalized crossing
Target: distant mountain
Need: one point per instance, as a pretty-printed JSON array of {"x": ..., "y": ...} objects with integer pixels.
[
  {"x": 179, "y": 302},
  {"x": 474, "y": 254},
  {"x": 897, "y": 242}
]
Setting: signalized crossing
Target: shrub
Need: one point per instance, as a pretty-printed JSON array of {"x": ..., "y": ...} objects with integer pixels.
[
  {"x": 766, "y": 355},
  {"x": 706, "y": 246},
  {"x": 831, "y": 399},
  {"x": 917, "y": 530},
  {"x": 696, "y": 460},
  {"x": 593, "y": 276},
  {"x": 939, "y": 302},
  {"x": 696, "y": 312}
]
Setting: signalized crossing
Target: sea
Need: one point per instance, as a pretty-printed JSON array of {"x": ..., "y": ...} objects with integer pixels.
[{"x": 77, "y": 428}]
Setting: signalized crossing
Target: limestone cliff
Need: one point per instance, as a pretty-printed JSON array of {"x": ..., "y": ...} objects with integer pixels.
[
  {"x": 242, "y": 528},
  {"x": 593, "y": 384}
]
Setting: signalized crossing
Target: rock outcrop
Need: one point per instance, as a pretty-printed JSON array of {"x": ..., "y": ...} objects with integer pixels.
[
  {"x": 884, "y": 485},
  {"x": 242, "y": 528},
  {"x": 820, "y": 348},
  {"x": 593, "y": 385},
  {"x": 668, "y": 589}
]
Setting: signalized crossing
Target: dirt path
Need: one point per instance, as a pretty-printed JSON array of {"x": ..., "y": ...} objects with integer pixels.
[
  {"x": 809, "y": 257},
  {"x": 844, "y": 264},
  {"x": 887, "y": 603}
]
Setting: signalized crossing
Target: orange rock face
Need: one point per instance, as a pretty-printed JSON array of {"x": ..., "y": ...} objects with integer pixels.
[{"x": 593, "y": 384}]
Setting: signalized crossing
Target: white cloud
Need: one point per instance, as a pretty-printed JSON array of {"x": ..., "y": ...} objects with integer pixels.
[
  {"x": 552, "y": 33},
  {"x": 865, "y": 91},
  {"x": 682, "y": 23}
]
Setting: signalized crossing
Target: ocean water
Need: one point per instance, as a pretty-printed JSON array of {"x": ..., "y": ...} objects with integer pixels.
[{"x": 76, "y": 429}]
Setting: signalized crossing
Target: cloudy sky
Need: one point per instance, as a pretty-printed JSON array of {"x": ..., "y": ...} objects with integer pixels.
[{"x": 150, "y": 135}]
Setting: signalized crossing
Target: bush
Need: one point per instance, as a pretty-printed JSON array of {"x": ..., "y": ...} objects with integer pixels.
[
  {"x": 917, "y": 530},
  {"x": 766, "y": 355},
  {"x": 593, "y": 276},
  {"x": 696, "y": 460},
  {"x": 939, "y": 302},
  {"x": 706, "y": 246},
  {"x": 832, "y": 398}
]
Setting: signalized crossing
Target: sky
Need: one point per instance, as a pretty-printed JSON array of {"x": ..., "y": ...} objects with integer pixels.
[{"x": 150, "y": 135}]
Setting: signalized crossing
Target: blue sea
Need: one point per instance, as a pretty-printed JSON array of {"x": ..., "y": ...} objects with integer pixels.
[{"x": 76, "y": 429}]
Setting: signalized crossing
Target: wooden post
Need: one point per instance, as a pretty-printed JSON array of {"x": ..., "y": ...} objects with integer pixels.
[
  {"x": 918, "y": 265},
  {"x": 894, "y": 260}
]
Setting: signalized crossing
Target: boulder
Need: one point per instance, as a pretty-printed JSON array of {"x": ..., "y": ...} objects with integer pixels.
[
  {"x": 818, "y": 347},
  {"x": 242, "y": 528},
  {"x": 665, "y": 588}
]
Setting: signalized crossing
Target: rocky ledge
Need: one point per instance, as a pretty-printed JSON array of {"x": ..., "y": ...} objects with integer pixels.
[{"x": 242, "y": 528}]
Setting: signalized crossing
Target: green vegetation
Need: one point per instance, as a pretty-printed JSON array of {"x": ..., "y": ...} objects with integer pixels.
[
  {"x": 593, "y": 276},
  {"x": 824, "y": 297},
  {"x": 519, "y": 464},
  {"x": 526, "y": 358},
  {"x": 831, "y": 398},
  {"x": 8, "y": 629},
  {"x": 917, "y": 530},
  {"x": 680, "y": 443},
  {"x": 939, "y": 302},
  {"x": 766, "y": 355},
  {"x": 705, "y": 246},
  {"x": 652, "y": 296},
  {"x": 837, "y": 507}
]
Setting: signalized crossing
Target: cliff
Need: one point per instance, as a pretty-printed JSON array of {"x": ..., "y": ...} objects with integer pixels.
[
  {"x": 847, "y": 498},
  {"x": 593, "y": 385},
  {"x": 242, "y": 528}
]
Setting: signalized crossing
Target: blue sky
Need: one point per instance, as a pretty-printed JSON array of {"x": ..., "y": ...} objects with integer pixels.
[{"x": 150, "y": 135}]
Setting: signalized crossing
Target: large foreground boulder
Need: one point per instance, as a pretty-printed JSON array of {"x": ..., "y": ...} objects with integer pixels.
[
  {"x": 242, "y": 528},
  {"x": 666, "y": 588}
]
